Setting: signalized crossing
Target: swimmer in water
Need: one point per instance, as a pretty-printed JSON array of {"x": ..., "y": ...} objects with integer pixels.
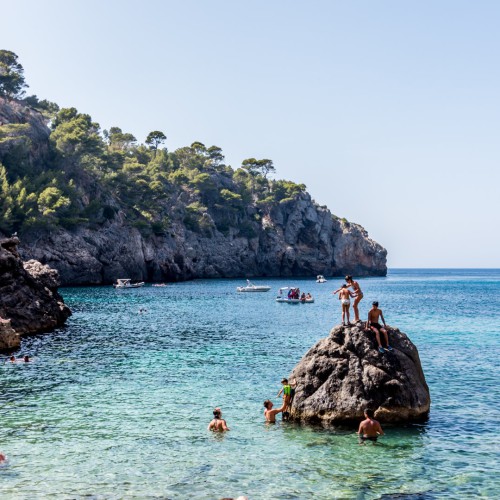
[
  {"x": 369, "y": 429},
  {"x": 269, "y": 413},
  {"x": 26, "y": 359},
  {"x": 218, "y": 424}
]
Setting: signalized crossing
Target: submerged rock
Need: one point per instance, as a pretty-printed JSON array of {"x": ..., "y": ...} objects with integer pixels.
[
  {"x": 28, "y": 292},
  {"x": 344, "y": 373}
]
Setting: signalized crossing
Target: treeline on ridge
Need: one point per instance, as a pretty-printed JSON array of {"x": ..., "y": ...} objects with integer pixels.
[{"x": 87, "y": 176}]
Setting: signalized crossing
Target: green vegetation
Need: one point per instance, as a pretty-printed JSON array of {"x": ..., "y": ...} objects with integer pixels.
[{"x": 82, "y": 175}]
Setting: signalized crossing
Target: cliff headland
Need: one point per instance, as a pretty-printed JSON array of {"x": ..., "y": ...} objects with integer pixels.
[{"x": 97, "y": 205}]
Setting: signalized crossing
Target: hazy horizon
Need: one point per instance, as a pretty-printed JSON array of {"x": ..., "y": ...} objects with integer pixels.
[{"x": 388, "y": 112}]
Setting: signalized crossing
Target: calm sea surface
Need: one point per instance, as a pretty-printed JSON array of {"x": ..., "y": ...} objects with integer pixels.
[{"x": 116, "y": 404}]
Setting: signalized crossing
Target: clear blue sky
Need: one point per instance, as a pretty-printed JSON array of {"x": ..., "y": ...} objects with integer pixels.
[{"x": 389, "y": 111}]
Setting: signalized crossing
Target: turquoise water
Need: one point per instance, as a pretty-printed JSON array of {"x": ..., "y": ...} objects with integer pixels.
[{"x": 116, "y": 404}]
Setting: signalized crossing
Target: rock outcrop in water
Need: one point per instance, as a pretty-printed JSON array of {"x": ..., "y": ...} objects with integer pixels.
[
  {"x": 28, "y": 295},
  {"x": 344, "y": 373}
]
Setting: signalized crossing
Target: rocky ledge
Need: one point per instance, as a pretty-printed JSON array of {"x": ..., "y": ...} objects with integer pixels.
[
  {"x": 29, "y": 301},
  {"x": 344, "y": 373}
]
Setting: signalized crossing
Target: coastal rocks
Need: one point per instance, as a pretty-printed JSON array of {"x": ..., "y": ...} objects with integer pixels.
[
  {"x": 344, "y": 373},
  {"x": 28, "y": 293},
  {"x": 9, "y": 338}
]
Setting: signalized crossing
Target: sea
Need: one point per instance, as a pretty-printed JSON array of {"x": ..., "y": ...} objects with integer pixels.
[{"x": 116, "y": 404}]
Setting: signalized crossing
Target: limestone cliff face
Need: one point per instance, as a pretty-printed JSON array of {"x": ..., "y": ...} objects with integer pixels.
[
  {"x": 28, "y": 295},
  {"x": 298, "y": 238},
  {"x": 24, "y": 129}
]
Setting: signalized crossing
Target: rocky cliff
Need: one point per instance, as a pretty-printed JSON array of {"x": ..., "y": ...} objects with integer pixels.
[
  {"x": 344, "y": 373},
  {"x": 298, "y": 239},
  {"x": 95, "y": 212},
  {"x": 28, "y": 295}
]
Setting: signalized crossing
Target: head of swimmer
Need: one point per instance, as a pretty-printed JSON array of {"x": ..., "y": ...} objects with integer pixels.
[
  {"x": 217, "y": 412},
  {"x": 268, "y": 404},
  {"x": 368, "y": 413},
  {"x": 374, "y": 305},
  {"x": 348, "y": 278}
]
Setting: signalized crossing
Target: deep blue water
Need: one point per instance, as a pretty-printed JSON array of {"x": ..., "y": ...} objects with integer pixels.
[{"x": 116, "y": 404}]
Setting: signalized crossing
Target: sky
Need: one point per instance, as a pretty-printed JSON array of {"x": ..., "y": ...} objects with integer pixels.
[{"x": 388, "y": 110}]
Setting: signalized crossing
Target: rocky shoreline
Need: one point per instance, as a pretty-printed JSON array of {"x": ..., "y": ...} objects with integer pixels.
[
  {"x": 298, "y": 239},
  {"x": 344, "y": 373},
  {"x": 29, "y": 300}
]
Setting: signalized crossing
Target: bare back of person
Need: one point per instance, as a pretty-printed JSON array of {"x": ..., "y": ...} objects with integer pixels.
[
  {"x": 218, "y": 425},
  {"x": 370, "y": 428},
  {"x": 344, "y": 294}
]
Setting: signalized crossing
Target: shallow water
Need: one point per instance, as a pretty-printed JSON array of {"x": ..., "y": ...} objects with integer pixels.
[{"x": 116, "y": 404}]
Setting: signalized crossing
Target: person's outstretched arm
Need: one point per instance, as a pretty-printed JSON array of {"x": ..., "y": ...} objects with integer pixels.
[{"x": 336, "y": 291}]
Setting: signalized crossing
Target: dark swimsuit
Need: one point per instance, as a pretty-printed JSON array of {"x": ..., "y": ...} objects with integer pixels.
[
  {"x": 378, "y": 326},
  {"x": 369, "y": 438}
]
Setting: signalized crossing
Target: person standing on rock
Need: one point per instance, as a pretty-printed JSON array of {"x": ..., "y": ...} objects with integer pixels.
[
  {"x": 345, "y": 300},
  {"x": 372, "y": 324},
  {"x": 358, "y": 295},
  {"x": 369, "y": 429}
]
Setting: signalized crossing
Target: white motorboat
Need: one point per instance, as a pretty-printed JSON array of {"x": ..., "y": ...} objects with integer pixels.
[
  {"x": 289, "y": 295},
  {"x": 320, "y": 279},
  {"x": 253, "y": 288},
  {"x": 127, "y": 283}
]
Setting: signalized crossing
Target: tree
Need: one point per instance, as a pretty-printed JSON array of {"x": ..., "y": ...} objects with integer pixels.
[
  {"x": 118, "y": 140},
  {"x": 12, "y": 83},
  {"x": 254, "y": 167},
  {"x": 154, "y": 139}
]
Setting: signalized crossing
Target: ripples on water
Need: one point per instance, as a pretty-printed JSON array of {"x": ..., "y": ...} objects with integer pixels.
[{"x": 116, "y": 404}]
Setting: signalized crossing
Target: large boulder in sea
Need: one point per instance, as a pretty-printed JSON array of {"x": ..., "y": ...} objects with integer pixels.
[
  {"x": 344, "y": 373},
  {"x": 28, "y": 293}
]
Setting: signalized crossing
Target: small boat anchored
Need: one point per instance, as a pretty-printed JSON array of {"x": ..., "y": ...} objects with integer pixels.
[
  {"x": 290, "y": 295},
  {"x": 127, "y": 283},
  {"x": 253, "y": 288},
  {"x": 320, "y": 279}
]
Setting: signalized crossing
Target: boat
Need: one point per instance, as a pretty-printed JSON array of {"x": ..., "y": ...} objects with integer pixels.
[
  {"x": 283, "y": 297},
  {"x": 127, "y": 283},
  {"x": 320, "y": 279},
  {"x": 253, "y": 288}
]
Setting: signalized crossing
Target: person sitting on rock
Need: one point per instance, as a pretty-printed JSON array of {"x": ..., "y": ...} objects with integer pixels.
[
  {"x": 218, "y": 424},
  {"x": 288, "y": 391},
  {"x": 372, "y": 324},
  {"x": 369, "y": 429},
  {"x": 269, "y": 413},
  {"x": 345, "y": 301}
]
